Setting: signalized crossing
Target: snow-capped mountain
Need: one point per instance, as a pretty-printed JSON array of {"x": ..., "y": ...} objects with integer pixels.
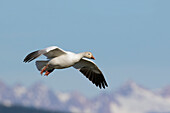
[{"x": 130, "y": 98}]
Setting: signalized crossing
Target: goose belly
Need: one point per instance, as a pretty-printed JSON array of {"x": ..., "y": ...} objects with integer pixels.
[{"x": 61, "y": 62}]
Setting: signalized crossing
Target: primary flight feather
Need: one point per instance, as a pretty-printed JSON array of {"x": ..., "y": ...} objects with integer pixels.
[{"x": 59, "y": 59}]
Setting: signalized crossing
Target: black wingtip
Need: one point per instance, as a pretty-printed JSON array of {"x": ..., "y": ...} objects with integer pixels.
[
  {"x": 100, "y": 83},
  {"x": 96, "y": 78},
  {"x": 31, "y": 56}
]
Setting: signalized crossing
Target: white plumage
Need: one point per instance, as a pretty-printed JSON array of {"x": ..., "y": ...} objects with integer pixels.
[{"x": 59, "y": 59}]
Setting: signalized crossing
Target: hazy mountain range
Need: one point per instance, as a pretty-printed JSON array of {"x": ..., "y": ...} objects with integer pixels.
[
  {"x": 22, "y": 109},
  {"x": 129, "y": 98}
]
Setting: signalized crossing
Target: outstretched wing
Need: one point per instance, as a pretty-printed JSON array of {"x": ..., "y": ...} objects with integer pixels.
[
  {"x": 92, "y": 72},
  {"x": 49, "y": 52}
]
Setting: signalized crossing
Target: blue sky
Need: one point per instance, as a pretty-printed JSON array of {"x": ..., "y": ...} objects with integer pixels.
[{"x": 129, "y": 39}]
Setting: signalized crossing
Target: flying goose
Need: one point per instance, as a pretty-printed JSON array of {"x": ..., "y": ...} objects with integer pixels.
[{"x": 59, "y": 59}]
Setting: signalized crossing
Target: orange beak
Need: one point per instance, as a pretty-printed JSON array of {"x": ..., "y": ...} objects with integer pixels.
[{"x": 92, "y": 57}]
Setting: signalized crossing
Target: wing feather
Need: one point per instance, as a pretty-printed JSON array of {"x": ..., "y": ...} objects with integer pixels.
[
  {"x": 92, "y": 72},
  {"x": 53, "y": 51},
  {"x": 32, "y": 56},
  {"x": 49, "y": 52}
]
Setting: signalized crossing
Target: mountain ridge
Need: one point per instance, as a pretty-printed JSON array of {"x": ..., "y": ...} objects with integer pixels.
[{"x": 129, "y": 98}]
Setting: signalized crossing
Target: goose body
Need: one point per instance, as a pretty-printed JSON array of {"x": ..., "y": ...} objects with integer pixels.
[
  {"x": 60, "y": 59},
  {"x": 64, "y": 61}
]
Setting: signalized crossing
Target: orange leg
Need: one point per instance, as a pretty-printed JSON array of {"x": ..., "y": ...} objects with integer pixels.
[
  {"x": 43, "y": 69},
  {"x": 46, "y": 73}
]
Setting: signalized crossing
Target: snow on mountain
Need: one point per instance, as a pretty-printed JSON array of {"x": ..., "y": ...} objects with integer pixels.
[
  {"x": 130, "y": 98},
  {"x": 6, "y": 95},
  {"x": 165, "y": 92},
  {"x": 139, "y": 100},
  {"x": 63, "y": 97},
  {"x": 19, "y": 90}
]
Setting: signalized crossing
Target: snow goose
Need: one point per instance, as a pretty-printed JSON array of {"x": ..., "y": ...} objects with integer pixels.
[{"x": 59, "y": 59}]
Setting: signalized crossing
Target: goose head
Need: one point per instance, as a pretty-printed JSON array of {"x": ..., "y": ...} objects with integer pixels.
[{"x": 89, "y": 55}]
